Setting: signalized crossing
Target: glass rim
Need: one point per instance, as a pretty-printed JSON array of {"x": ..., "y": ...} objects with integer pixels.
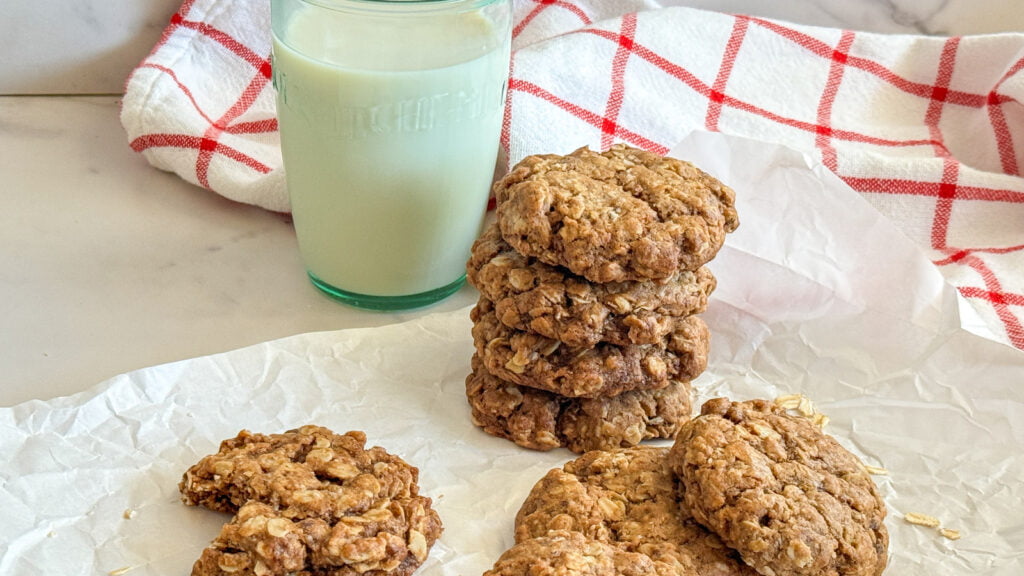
[{"x": 397, "y": 6}]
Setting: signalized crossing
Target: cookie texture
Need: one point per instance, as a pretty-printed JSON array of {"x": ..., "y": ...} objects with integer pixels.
[
  {"x": 573, "y": 554},
  {"x": 788, "y": 497},
  {"x": 260, "y": 540},
  {"x": 631, "y": 499},
  {"x": 533, "y": 296},
  {"x": 311, "y": 500},
  {"x": 623, "y": 214},
  {"x": 541, "y": 420},
  {"x": 529, "y": 359}
]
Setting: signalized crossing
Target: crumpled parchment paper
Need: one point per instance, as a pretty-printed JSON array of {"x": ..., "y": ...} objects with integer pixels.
[{"x": 817, "y": 294}]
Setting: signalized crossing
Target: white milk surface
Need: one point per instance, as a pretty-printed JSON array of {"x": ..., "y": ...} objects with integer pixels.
[{"x": 389, "y": 133}]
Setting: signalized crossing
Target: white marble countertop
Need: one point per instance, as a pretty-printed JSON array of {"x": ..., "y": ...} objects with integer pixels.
[{"x": 108, "y": 265}]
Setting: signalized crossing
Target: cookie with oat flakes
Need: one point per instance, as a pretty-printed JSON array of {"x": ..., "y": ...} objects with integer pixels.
[
  {"x": 553, "y": 302},
  {"x": 262, "y": 541},
  {"x": 532, "y": 360},
  {"x": 573, "y": 554},
  {"x": 623, "y": 214},
  {"x": 309, "y": 499},
  {"x": 629, "y": 498},
  {"x": 787, "y": 496},
  {"x": 542, "y": 420}
]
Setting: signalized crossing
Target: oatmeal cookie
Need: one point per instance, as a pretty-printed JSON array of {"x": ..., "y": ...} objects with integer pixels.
[
  {"x": 624, "y": 214},
  {"x": 542, "y": 420},
  {"x": 780, "y": 491},
  {"x": 535, "y": 361},
  {"x": 629, "y": 498},
  {"x": 573, "y": 554},
  {"x": 313, "y": 497},
  {"x": 553, "y": 302},
  {"x": 262, "y": 541}
]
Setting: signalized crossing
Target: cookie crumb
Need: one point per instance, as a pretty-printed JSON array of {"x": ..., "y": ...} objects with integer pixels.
[
  {"x": 820, "y": 420},
  {"x": 120, "y": 571},
  {"x": 128, "y": 514},
  {"x": 921, "y": 519},
  {"x": 949, "y": 533},
  {"x": 803, "y": 406},
  {"x": 788, "y": 401}
]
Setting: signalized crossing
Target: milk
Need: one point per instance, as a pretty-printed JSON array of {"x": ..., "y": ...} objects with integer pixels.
[{"x": 389, "y": 133}]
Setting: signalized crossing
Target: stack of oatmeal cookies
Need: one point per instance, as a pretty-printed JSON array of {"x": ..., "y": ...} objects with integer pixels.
[{"x": 587, "y": 332}]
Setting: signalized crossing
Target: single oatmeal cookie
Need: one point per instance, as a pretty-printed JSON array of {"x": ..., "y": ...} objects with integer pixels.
[
  {"x": 532, "y": 360},
  {"x": 573, "y": 554},
  {"x": 542, "y": 420},
  {"x": 553, "y": 302},
  {"x": 310, "y": 499},
  {"x": 629, "y": 498},
  {"x": 624, "y": 214},
  {"x": 780, "y": 491},
  {"x": 261, "y": 541}
]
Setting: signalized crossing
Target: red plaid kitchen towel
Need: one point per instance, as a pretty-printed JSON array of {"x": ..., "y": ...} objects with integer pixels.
[{"x": 930, "y": 130}]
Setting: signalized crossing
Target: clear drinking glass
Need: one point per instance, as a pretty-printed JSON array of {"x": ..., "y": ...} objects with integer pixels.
[{"x": 390, "y": 114}]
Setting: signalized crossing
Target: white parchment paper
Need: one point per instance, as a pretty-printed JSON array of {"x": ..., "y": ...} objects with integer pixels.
[{"x": 817, "y": 294}]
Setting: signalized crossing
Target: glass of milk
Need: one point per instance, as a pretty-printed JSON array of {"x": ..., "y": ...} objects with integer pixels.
[{"x": 389, "y": 114}]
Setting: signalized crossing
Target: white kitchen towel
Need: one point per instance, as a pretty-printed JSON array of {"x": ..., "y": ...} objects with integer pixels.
[
  {"x": 201, "y": 104},
  {"x": 930, "y": 130}
]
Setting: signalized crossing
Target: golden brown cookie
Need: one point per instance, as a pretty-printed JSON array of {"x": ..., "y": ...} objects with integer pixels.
[
  {"x": 261, "y": 541},
  {"x": 533, "y": 296},
  {"x": 541, "y": 420},
  {"x": 623, "y": 214},
  {"x": 788, "y": 497},
  {"x": 532, "y": 360},
  {"x": 310, "y": 499},
  {"x": 629, "y": 498},
  {"x": 573, "y": 554}
]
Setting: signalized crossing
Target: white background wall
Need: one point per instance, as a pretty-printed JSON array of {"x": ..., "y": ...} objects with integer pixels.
[{"x": 76, "y": 46}]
